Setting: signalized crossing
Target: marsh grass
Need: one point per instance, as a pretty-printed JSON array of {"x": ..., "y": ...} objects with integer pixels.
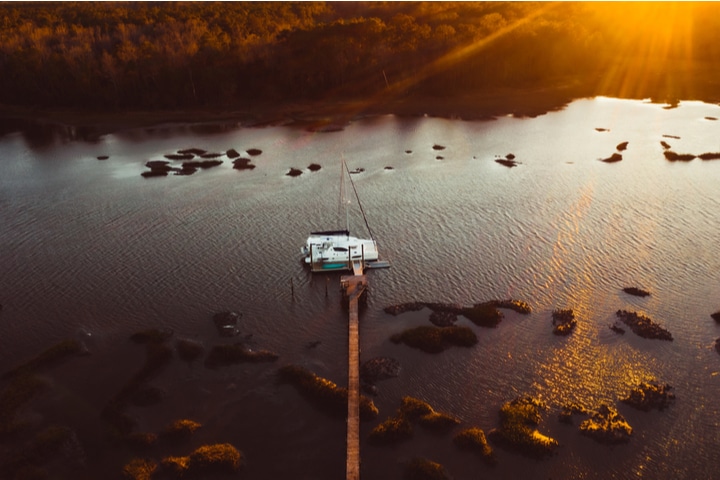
[
  {"x": 474, "y": 440},
  {"x": 399, "y": 427},
  {"x": 423, "y": 469},
  {"x": 140, "y": 469},
  {"x": 324, "y": 393},
  {"x": 433, "y": 339},
  {"x": 517, "y": 431}
]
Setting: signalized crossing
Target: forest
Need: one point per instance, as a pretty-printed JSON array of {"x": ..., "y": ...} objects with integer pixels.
[{"x": 174, "y": 55}]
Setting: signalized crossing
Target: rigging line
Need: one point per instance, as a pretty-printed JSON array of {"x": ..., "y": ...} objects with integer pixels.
[{"x": 357, "y": 197}]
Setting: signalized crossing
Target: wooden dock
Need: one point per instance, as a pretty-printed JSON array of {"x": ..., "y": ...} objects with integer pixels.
[{"x": 353, "y": 286}]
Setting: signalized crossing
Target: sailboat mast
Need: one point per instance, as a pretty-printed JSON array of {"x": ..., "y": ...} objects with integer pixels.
[
  {"x": 343, "y": 195},
  {"x": 357, "y": 197}
]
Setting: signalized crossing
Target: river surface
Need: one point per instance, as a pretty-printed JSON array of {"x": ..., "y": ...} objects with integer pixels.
[{"x": 91, "y": 250}]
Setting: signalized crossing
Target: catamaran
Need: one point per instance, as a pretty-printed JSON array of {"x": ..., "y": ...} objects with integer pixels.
[{"x": 337, "y": 249}]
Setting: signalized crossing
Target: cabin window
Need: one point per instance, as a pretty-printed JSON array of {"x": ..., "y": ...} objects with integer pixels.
[{"x": 340, "y": 249}]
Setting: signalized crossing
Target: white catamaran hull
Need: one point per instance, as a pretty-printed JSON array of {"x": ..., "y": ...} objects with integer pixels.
[{"x": 337, "y": 250}]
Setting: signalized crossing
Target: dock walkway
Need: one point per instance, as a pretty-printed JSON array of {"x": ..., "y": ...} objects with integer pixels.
[{"x": 354, "y": 286}]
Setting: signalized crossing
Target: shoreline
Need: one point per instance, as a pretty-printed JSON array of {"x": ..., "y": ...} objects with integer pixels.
[
  {"x": 314, "y": 114},
  {"x": 324, "y": 114}
]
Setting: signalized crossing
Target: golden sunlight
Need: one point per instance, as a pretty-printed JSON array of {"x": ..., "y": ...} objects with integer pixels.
[{"x": 656, "y": 39}]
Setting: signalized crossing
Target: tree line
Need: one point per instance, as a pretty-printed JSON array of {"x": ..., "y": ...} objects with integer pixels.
[{"x": 120, "y": 55}]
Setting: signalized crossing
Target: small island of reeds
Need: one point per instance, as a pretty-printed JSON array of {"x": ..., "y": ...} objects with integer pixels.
[
  {"x": 474, "y": 440},
  {"x": 432, "y": 339},
  {"x": 400, "y": 426},
  {"x": 324, "y": 393},
  {"x": 518, "y": 421}
]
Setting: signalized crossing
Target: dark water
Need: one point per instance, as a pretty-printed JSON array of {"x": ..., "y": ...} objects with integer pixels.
[{"x": 91, "y": 250}]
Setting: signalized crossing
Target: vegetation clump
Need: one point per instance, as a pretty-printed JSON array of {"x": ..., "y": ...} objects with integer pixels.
[
  {"x": 563, "y": 321},
  {"x": 221, "y": 355},
  {"x": 506, "y": 162},
  {"x": 48, "y": 358},
  {"x": 483, "y": 314},
  {"x": 615, "y": 157},
  {"x": 157, "y": 357},
  {"x": 190, "y": 164},
  {"x": 716, "y": 316},
  {"x": 643, "y": 326},
  {"x": 393, "y": 430},
  {"x": 438, "y": 422},
  {"x": 436, "y": 339},
  {"x": 294, "y": 172},
  {"x": 638, "y": 292},
  {"x": 207, "y": 459},
  {"x": 569, "y": 410},
  {"x": 50, "y": 443},
  {"x": 243, "y": 163},
  {"x": 324, "y": 393},
  {"x": 222, "y": 457},
  {"x": 399, "y": 427},
  {"x": 517, "y": 431},
  {"x": 607, "y": 426},
  {"x": 423, "y": 469},
  {"x": 474, "y": 440},
  {"x": 192, "y": 151},
  {"x": 649, "y": 395},
  {"x": 140, "y": 469},
  {"x": 24, "y": 383},
  {"x": 678, "y": 157},
  {"x": 181, "y": 428},
  {"x": 314, "y": 167},
  {"x": 516, "y": 305},
  {"x": 709, "y": 156},
  {"x": 404, "y": 307}
]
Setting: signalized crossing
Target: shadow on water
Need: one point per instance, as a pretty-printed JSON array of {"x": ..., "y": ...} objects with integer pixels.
[{"x": 40, "y": 135}]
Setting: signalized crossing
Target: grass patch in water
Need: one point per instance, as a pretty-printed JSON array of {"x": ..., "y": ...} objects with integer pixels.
[
  {"x": 607, "y": 426},
  {"x": 324, "y": 393},
  {"x": 182, "y": 428},
  {"x": 140, "y": 469},
  {"x": 48, "y": 358},
  {"x": 563, "y": 321},
  {"x": 399, "y": 427},
  {"x": 392, "y": 430},
  {"x": 24, "y": 384},
  {"x": 424, "y": 469},
  {"x": 436, "y": 339},
  {"x": 474, "y": 440},
  {"x": 483, "y": 314},
  {"x": 207, "y": 459},
  {"x": 157, "y": 357},
  {"x": 517, "y": 431}
]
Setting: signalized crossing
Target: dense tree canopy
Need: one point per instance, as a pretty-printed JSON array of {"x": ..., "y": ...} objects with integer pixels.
[{"x": 191, "y": 54}]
